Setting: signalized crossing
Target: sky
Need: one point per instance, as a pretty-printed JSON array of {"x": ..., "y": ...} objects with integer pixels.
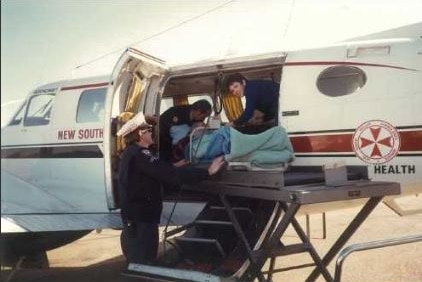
[{"x": 48, "y": 40}]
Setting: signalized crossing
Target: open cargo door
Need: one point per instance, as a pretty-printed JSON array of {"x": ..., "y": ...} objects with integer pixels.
[{"x": 137, "y": 86}]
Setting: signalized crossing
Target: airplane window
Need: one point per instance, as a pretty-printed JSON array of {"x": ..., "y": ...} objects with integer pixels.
[
  {"x": 166, "y": 104},
  {"x": 340, "y": 80},
  {"x": 18, "y": 116},
  {"x": 39, "y": 110},
  {"x": 91, "y": 105}
]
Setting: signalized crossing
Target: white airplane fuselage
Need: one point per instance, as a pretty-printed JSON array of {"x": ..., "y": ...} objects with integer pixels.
[{"x": 356, "y": 103}]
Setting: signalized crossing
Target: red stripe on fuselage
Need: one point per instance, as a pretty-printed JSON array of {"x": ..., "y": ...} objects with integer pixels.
[
  {"x": 410, "y": 141},
  {"x": 330, "y": 63},
  {"x": 85, "y": 86},
  {"x": 322, "y": 143}
]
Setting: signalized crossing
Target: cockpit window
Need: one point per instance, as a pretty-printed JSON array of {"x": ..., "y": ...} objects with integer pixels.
[
  {"x": 17, "y": 119},
  {"x": 39, "y": 110},
  {"x": 91, "y": 105}
]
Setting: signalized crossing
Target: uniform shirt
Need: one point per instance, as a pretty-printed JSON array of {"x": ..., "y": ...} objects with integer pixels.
[
  {"x": 174, "y": 116},
  {"x": 140, "y": 177},
  {"x": 260, "y": 95}
]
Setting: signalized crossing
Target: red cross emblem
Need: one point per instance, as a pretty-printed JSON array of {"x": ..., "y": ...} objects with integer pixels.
[{"x": 376, "y": 142}]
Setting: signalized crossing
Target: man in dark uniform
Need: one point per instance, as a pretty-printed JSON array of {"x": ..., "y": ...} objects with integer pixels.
[
  {"x": 141, "y": 175},
  {"x": 261, "y": 98},
  {"x": 178, "y": 115}
]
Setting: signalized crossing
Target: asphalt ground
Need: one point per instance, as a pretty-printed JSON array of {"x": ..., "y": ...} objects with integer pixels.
[{"x": 97, "y": 256}]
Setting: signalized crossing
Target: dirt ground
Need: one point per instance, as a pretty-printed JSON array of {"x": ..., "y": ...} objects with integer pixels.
[{"x": 97, "y": 256}]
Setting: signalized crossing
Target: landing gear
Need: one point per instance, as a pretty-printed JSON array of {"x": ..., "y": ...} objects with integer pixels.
[
  {"x": 34, "y": 260},
  {"x": 29, "y": 249}
]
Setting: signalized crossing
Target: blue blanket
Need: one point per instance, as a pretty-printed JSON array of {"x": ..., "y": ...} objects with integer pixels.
[{"x": 270, "y": 148}]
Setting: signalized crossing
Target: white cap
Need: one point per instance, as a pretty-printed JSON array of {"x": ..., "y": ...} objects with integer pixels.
[{"x": 132, "y": 124}]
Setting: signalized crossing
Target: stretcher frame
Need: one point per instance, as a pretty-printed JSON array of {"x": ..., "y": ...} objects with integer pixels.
[{"x": 288, "y": 200}]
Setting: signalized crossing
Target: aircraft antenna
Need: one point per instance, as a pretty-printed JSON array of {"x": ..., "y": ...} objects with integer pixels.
[
  {"x": 160, "y": 32},
  {"x": 289, "y": 18}
]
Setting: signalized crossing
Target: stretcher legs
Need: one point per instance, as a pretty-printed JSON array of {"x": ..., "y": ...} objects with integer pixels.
[
  {"x": 272, "y": 247},
  {"x": 345, "y": 236}
]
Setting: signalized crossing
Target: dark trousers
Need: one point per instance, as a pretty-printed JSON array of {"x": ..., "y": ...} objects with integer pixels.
[{"x": 139, "y": 242}]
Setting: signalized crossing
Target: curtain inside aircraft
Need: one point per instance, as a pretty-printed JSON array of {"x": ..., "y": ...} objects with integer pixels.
[
  {"x": 232, "y": 106},
  {"x": 180, "y": 100}
]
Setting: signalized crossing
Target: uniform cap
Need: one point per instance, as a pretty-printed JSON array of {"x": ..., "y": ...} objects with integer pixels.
[{"x": 137, "y": 121}]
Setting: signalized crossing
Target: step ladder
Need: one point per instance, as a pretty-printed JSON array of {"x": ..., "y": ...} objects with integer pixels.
[{"x": 211, "y": 237}]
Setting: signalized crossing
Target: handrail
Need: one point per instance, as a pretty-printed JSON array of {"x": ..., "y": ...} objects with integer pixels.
[
  {"x": 191, "y": 135},
  {"x": 368, "y": 246},
  {"x": 190, "y": 141}
]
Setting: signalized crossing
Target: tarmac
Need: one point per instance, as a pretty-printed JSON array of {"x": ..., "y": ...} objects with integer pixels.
[{"x": 97, "y": 256}]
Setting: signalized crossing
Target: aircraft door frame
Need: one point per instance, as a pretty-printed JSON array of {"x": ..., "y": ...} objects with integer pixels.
[{"x": 138, "y": 80}]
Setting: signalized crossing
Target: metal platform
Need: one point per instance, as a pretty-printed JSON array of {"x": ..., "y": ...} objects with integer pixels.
[
  {"x": 277, "y": 178},
  {"x": 290, "y": 199},
  {"x": 302, "y": 194}
]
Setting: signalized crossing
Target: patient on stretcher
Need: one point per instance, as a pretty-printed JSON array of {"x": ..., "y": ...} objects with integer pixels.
[{"x": 269, "y": 149}]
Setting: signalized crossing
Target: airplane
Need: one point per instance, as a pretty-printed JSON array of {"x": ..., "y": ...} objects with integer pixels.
[{"x": 353, "y": 103}]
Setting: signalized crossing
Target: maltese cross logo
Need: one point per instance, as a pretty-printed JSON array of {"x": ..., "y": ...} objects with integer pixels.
[{"x": 376, "y": 142}]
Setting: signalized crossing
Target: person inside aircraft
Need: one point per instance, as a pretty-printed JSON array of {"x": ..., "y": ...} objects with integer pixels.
[
  {"x": 140, "y": 180},
  {"x": 177, "y": 115},
  {"x": 261, "y": 96}
]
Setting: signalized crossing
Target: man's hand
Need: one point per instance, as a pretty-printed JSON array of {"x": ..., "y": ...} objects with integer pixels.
[{"x": 216, "y": 164}]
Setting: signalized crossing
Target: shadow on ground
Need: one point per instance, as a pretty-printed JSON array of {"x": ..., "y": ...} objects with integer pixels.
[{"x": 108, "y": 270}]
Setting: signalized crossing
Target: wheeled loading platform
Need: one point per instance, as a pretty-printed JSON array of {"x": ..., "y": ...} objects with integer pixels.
[{"x": 245, "y": 219}]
